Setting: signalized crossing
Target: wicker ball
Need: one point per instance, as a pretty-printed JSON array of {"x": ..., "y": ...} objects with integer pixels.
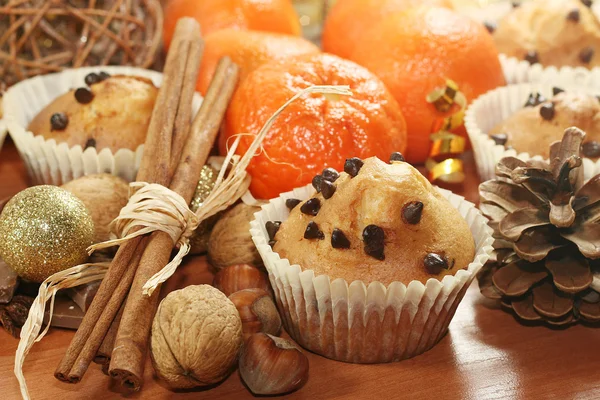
[{"x": 42, "y": 36}]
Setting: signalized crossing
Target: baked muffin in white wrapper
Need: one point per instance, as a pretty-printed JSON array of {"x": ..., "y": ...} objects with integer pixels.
[
  {"x": 54, "y": 161},
  {"x": 496, "y": 106},
  {"x": 366, "y": 322}
]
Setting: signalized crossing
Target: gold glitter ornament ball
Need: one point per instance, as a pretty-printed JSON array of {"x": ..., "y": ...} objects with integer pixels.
[{"x": 44, "y": 230}]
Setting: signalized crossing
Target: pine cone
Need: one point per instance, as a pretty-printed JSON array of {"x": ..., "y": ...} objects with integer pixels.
[{"x": 546, "y": 223}]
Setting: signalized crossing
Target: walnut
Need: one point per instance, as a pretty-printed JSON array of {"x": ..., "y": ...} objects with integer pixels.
[
  {"x": 196, "y": 337},
  {"x": 104, "y": 195},
  {"x": 230, "y": 241}
]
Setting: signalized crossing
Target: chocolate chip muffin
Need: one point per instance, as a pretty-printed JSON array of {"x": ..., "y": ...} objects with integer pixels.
[
  {"x": 551, "y": 32},
  {"x": 374, "y": 222},
  {"x": 543, "y": 121},
  {"x": 108, "y": 112}
]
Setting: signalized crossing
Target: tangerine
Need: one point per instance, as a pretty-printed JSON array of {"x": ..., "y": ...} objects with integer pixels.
[
  {"x": 416, "y": 51},
  {"x": 349, "y": 20},
  {"x": 317, "y": 130},
  {"x": 264, "y": 15},
  {"x": 248, "y": 49}
]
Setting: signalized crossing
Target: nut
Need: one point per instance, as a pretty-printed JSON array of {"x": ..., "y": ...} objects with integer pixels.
[
  {"x": 196, "y": 337},
  {"x": 104, "y": 195},
  {"x": 230, "y": 240},
  {"x": 272, "y": 365},
  {"x": 239, "y": 277},
  {"x": 257, "y": 311}
]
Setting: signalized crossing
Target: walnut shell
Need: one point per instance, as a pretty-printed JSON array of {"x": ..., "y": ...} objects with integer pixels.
[
  {"x": 196, "y": 337},
  {"x": 104, "y": 195},
  {"x": 230, "y": 241}
]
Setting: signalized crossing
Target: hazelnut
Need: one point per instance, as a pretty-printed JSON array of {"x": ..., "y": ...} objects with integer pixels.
[
  {"x": 257, "y": 311},
  {"x": 271, "y": 365},
  {"x": 230, "y": 241},
  {"x": 239, "y": 277}
]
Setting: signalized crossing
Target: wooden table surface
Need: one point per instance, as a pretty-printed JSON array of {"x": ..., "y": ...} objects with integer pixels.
[{"x": 487, "y": 354}]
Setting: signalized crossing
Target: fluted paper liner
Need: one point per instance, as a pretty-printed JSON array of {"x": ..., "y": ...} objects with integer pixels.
[
  {"x": 359, "y": 322},
  {"x": 497, "y": 105},
  {"x": 520, "y": 71},
  {"x": 49, "y": 162}
]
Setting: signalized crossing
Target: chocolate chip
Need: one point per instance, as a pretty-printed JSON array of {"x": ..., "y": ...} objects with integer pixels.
[
  {"x": 411, "y": 212},
  {"x": 373, "y": 237},
  {"x": 490, "y": 26},
  {"x": 396, "y": 156},
  {"x": 587, "y": 3},
  {"x": 534, "y": 99},
  {"x": 330, "y": 174},
  {"x": 272, "y": 228},
  {"x": 547, "y": 111},
  {"x": 532, "y": 57},
  {"x": 92, "y": 78},
  {"x": 352, "y": 166},
  {"x": 103, "y": 75},
  {"x": 90, "y": 143},
  {"x": 586, "y": 55},
  {"x": 500, "y": 138},
  {"x": 312, "y": 231},
  {"x": 59, "y": 121},
  {"x": 556, "y": 90},
  {"x": 435, "y": 263},
  {"x": 316, "y": 182},
  {"x": 573, "y": 15},
  {"x": 292, "y": 203},
  {"x": 84, "y": 95},
  {"x": 327, "y": 189},
  {"x": 516, "y": 4},
  {"x": 311, "y": 207},
  {"x": 339, "y": 240},
  {"x": 591, "y": 149}
]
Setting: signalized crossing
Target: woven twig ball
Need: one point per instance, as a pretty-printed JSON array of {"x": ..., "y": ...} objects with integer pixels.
[{"x": 42, "y": 36}]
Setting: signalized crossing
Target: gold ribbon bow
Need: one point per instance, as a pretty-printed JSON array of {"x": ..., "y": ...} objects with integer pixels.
[{"x": 443, "y": 164}]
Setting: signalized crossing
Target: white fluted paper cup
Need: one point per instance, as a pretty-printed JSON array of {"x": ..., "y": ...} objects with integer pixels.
[
  {"x": 3, "y": 132},
  {"x": 49, "y": 162},
  {"x": 362, "y": 322},
  {"x": 497, "y": 105},
  {"x": 520, "y": 71}
]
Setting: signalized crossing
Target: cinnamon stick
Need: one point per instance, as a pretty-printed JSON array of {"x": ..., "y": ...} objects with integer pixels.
[
  {"x": 129, "y": 355},
  {"x": 154, "y": 168},
  {"x": 105, "y": 351}
]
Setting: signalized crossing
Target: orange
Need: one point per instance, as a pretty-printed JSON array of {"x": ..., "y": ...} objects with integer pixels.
[
  {"x": 349, "y": 20},
  {"x": 263, "y": 15},
  {"x": 415, "y": 51},
  {"x": 248, "y": 49},
  {"x": 317, "y": 130}
]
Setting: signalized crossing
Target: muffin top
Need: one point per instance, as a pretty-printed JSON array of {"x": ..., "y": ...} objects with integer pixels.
[
  {"x": 113, "y": 112},
  {"x": 541, "y": 122},
  {"x": 376, "y": 222},
  {"x": 551, "y": 32}
]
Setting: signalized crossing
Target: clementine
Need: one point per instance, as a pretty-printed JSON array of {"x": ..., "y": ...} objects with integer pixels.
[
  {"x": 248, "y": 49},
  {"x": 415, "y": 51},
  {"x": 349, "y": 20},
  {"x": 264, "y": 15},
  {"x": 315, "y": 131}
]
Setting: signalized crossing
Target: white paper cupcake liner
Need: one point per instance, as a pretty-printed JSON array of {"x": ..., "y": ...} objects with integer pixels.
[
  {"x": 520, "y": 71},
  {"x": 3, "y": 132},
  {"x": 49, "y": 162},
  {"x": 362, "y": 322},
  {"x": 497, "y": 105}
]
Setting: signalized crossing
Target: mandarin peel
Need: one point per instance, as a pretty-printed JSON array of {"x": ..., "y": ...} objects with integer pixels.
[{"x": 261, "y": 151}]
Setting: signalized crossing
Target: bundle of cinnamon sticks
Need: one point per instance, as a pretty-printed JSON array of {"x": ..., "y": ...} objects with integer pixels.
[{"x": 116, "y": 328}]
